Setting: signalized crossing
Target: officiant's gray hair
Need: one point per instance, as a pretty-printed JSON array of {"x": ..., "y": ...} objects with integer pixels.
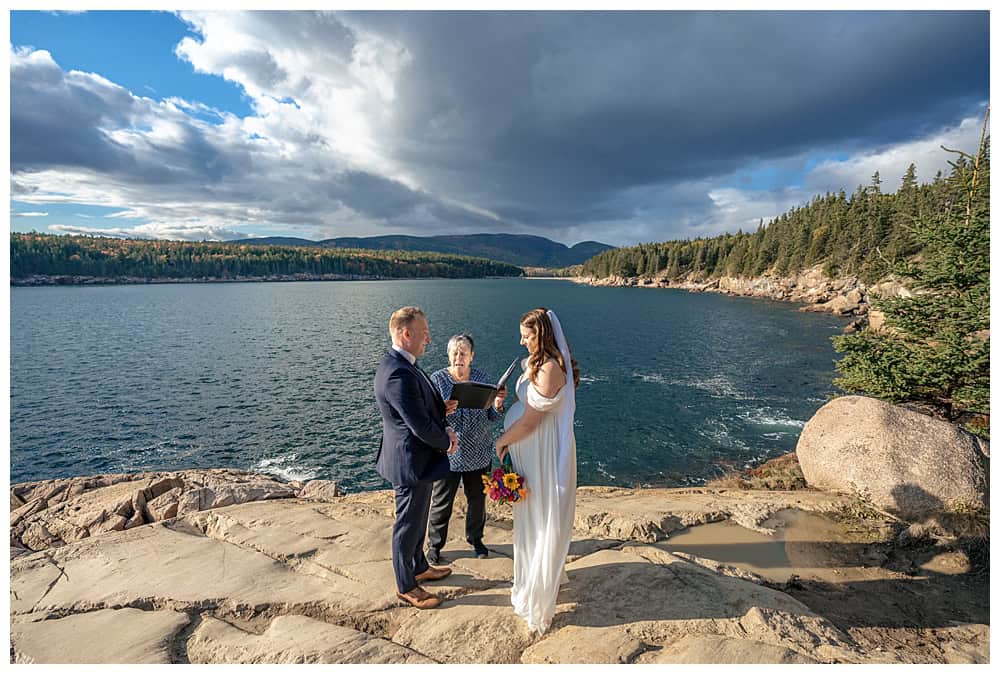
[
  {"x": 402, "y": 318},
  {"x": 461, "y": 340}
]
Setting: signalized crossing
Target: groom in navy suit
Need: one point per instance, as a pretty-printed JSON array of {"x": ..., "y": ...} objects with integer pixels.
[{"x": 416, "y": 440}]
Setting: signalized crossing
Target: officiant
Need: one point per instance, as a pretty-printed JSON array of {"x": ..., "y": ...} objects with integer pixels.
[{"x": 471, "y": 461}]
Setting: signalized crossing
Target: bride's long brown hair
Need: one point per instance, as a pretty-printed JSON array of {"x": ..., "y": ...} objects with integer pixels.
[{"x": 537, "y": 320}]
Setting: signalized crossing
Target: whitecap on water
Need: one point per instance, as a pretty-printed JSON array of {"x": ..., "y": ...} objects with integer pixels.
[
  {"x": 718, "y": 432},
  {"x": 717, "y": 386},
  {"x": 766, "y": 416},
  {"x": 286, "y": 468},
  {"x": 652, "y": 377},
  {"x": 602, "y": 470}
]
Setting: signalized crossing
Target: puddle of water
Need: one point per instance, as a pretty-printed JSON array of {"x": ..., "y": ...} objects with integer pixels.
[{"x": 805, "y": 544}]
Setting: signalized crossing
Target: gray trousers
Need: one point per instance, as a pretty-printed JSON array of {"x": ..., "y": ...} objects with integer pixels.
[{"x": 443, "y": 500}]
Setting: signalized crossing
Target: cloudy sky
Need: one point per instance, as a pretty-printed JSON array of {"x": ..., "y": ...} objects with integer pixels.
[{"x": 616, "y": 127}]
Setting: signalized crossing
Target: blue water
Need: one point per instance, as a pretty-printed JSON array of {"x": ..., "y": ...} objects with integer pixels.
[{"x": 277, "y": 377}]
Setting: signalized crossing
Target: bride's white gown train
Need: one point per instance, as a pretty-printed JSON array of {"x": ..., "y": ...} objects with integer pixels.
[{"x": 543, "y": 522}]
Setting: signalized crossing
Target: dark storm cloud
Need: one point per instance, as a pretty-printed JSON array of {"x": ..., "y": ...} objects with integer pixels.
[
  {"x": 616, "y": 125},
  {"x": 563, "y": 110},
  {"x": 69, "y": 120},
  {"x": 57, "y": 120}
]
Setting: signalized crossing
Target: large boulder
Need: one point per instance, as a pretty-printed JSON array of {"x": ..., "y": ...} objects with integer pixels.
[
  {"x": 891, "y": 287},
  {"x": 320, "y": 490},
  {"x": 906, "y": 462},
  {"x": 876, "y": 320},
  {"x": 842, "y": 305}
]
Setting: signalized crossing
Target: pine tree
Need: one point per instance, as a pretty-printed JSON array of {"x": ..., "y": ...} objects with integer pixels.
[{"x": 936, "y": 348}]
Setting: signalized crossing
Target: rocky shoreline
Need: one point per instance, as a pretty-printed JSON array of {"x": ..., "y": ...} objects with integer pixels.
[
  {"x": 227, "y": 566},
  {"x": 846, "y": 297},
  {"x": 70, "y": 280}
]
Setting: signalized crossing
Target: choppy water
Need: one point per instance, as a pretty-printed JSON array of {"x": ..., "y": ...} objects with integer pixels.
[{"x": 277, "y": 377}]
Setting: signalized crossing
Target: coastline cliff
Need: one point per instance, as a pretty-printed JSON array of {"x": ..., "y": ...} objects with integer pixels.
[
  {"x": 845, "y": 297},
  {"x": 228, "y": 566}
]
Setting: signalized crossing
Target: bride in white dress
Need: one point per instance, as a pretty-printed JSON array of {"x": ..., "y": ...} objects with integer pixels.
[{"x": 538, "y": 432}]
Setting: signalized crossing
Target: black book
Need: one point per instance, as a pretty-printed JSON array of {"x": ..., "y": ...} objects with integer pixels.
[{"x": 477, "y": 396}]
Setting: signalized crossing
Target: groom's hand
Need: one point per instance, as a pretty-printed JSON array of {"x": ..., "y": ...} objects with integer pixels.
[{"x": 453, "y": 436}]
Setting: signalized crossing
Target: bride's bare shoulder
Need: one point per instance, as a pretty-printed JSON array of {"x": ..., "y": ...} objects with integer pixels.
[{"x": 550, "y": 378}]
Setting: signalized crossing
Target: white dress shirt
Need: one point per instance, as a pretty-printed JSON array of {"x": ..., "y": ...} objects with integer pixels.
[{"x": 406, "y": 354}]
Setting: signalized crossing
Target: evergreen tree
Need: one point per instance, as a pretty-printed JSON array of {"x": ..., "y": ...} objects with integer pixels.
[{"x": 936, "y": 348}]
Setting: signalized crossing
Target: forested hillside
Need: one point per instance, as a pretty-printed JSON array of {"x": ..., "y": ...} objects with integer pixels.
[
  {"x": 861, "y": 234},
  {"x": 519, "y": 249},
  {"x": 50, "y": 255}
]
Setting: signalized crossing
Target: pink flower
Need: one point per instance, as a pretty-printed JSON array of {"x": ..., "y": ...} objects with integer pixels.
[{"x": 498, "y": 474}]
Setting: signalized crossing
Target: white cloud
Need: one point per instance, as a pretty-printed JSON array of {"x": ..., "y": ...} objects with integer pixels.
[
  {"x": 743, "y": 208},
  {"x": 30, "y": 214},
  {"x": 154, "y": 231},
  {"x": 556, "y": 124},
  {"x": 891, "y": 162},
  {"x": 342, "y": 80},
  {"x": 293, "y": 164}
]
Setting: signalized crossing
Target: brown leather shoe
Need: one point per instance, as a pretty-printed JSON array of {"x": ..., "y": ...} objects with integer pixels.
[
  {"x": 433, "y": 573},
  {"x": 420, "y": 598}
]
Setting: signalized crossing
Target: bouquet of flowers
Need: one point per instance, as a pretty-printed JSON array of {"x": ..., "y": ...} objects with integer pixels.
[{"x": 504, "y": 486}]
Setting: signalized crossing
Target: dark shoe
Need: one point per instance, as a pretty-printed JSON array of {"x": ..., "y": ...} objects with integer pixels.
[
  {"x": 418, "y": 597},
  {"x": 433, "y": 557},
  {"x": 433, "y": 573},
  {"x": 482, "y": 552}
]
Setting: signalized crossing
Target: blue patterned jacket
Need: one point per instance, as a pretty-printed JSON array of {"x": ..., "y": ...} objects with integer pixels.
[{"x": 474, "y": 427}]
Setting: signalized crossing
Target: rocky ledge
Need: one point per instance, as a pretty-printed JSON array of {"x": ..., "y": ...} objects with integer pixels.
[
  {"x": 232, "y": 567},
  {"x": 55, "y": 512},
  {"x": 843, "y": 297}
]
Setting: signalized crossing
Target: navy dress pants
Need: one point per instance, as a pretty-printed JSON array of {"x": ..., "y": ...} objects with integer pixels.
[{"x": 413, "y": 504}]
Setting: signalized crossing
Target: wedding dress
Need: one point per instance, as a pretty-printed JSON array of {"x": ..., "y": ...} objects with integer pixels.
[{"x": 543, "y": 522}]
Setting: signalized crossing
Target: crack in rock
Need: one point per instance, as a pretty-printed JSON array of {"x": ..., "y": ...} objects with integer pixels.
[
  {"x": 296, "y": 564},
  {"x": 62, "y": 574},
  {"x": 177, "y": 649}
]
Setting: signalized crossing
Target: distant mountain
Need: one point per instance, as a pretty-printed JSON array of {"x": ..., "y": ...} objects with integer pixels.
[
  {"x": 522, "y": 250},
  {"x": 277, "y": 241}
]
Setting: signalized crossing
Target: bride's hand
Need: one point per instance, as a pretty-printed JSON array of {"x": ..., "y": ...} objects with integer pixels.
[{"x": 501, "y": 452}]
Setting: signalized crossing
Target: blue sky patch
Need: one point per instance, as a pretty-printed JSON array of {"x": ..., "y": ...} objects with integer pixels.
[{"x": 130, "y": 48}]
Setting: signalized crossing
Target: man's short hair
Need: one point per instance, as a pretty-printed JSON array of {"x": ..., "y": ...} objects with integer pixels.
[{"x": 403, "y": 318}]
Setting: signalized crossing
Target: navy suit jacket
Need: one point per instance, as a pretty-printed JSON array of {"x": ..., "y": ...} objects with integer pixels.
[{"x": 414, "y": 441}]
